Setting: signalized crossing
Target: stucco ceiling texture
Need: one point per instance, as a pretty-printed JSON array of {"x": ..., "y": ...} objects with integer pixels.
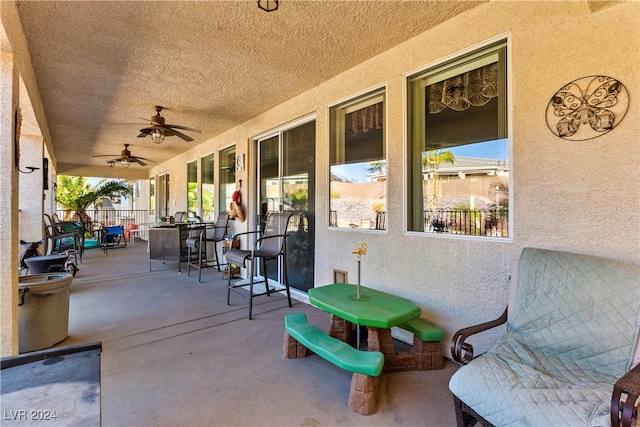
[{"x": 101, "y": 66}]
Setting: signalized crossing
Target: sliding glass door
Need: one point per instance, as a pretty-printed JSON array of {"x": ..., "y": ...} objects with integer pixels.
[{"x": 286, "y": 176}]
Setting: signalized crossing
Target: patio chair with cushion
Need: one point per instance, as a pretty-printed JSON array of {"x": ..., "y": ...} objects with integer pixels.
[
  {"x": 567, "y": 357},
  {"x": 271, "y": 245}
]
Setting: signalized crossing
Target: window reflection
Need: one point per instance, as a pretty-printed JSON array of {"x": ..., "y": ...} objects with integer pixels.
[
  {"x": 358, "y": 169},
  {"x": 192, "y": 187},
  {"x": 208, "y": 193},
  {"x": 458, "y": 150}
]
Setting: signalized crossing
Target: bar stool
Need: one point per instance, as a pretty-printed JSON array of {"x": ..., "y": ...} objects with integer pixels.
[{"x": 214, "y": 233}]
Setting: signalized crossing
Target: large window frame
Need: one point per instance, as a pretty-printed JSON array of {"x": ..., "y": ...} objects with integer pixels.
[
  {"x": 193, "y": 193},
  {"x": 163, "y": 195},
  {"x": 207, "y": 186},
  {"x": 358, "y": 162},
  {"x": 152, "y": 196},
  {"x": 437, "y": 163}
]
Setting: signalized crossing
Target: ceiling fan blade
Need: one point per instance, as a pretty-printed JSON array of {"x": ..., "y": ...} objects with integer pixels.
[
  {"x": 134, "y": 158},
  {"x": 106, "y": 155},
  {"x": 183, "y": 128},
  {"x": 140, "y": 162},
  {"x": 181, "y": 135},
  {"x": 143, "y": 134}
]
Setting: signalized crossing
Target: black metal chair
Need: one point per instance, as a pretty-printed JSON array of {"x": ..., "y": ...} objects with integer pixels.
[
  {"x": 270, "y": 245},
  {"x": 214, "y": 233}
]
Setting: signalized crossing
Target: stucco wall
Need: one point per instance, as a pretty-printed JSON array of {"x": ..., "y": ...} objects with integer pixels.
[
  {"x": 575, "y": 196},
  {"x": 8, "y": 181}
]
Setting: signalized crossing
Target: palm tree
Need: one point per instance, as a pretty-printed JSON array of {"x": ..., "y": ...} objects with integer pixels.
[
  {"x": 435, "y": 157},
  {"x": 76, "y": 194},
  {"x": 431, "y": 160}
]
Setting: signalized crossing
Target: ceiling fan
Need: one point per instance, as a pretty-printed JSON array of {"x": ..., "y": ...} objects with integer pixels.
[
  {"x": 159, "y": 130},
  {"x": 125, "y": 158}
]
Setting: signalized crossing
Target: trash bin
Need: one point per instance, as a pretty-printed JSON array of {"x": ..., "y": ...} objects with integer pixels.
[{"x": 43, "y": 310}]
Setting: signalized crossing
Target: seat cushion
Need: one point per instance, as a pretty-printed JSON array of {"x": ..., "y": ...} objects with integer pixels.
[{"x": 514, "y": 388}]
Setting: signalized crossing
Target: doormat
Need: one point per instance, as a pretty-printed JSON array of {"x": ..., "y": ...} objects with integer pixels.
[{"x": 55, "y": 387}]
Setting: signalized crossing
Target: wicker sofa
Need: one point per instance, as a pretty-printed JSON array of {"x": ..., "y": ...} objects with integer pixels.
[{"x": 569, "y": 352}]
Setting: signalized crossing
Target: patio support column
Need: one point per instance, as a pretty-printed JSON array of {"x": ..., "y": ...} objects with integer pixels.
[
  {"x": 31, "y": 185},
  {"x": 9, "y": 183}
]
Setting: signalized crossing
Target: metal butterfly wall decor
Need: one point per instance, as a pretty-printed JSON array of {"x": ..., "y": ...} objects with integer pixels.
[{"x": 587, "y": 108}]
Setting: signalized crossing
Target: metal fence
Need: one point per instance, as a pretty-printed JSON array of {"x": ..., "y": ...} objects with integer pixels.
[
  {"x": 467, "y": 222},
  {"x": 97, "y": 218}
]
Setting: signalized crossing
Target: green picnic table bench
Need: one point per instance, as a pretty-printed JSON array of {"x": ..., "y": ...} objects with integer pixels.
[
  {"x": 301, "y": 338},
  {"x": 426, "y": 343}
]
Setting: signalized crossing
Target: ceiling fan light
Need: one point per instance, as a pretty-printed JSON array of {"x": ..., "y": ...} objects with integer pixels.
[
  {"x": 157, "y": 135},
  {"x": 125, "y": 163},
  {"x": 111, "y": 163}
]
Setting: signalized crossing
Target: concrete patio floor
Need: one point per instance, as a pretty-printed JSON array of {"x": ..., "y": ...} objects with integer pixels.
[{"x": 174, "y": 354}]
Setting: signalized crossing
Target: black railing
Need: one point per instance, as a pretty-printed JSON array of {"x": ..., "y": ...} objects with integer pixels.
[{"x": 470, "y": 222}]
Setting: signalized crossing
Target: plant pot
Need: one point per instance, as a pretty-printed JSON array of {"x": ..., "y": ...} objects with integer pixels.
[{"x": 235, "y": 271}]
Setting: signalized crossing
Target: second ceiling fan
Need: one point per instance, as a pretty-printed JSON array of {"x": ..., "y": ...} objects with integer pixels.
[
  {"x": 125, "y": 158},
  {"x": 159, "y": 130}
]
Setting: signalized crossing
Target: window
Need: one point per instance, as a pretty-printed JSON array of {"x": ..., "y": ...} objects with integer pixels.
[
  {"x": 152, "y": 196},
  {"x": 208, "y": 193},
  {"x": 192, "y": 186},
  {"x": 227, "y": 175},
  {"x": 358, "y": 168},
  {"x": 458, "y": 147},
  {"x": 162, "y": 195}
]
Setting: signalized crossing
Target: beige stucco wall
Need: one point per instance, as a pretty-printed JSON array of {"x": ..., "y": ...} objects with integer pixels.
[
  {"x": 8, "y": 181},
  {"x": 575, "y": 196},
  {"x": 22, "y": 216}
]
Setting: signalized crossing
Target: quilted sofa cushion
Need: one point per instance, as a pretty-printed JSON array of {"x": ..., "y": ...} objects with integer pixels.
[{"x": 573, "y": 334}]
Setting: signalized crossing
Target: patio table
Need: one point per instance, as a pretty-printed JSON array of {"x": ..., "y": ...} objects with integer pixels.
[{"x": 376, "y": 310}]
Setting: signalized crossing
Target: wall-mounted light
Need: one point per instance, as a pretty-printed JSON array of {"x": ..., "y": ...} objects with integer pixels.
[
  {"x": 30, "y": 169},
  {"x": 17, "y": 124},
  {"x": 268, "y": 5}
]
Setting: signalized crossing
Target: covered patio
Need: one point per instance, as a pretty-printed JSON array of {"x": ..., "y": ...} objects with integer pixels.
[
  {"x": 79, "y": 77},
  {"x": 173, "y": 353}
]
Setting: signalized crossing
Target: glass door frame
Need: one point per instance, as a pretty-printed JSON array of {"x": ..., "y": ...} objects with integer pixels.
[{"x": 258, "y": 218}]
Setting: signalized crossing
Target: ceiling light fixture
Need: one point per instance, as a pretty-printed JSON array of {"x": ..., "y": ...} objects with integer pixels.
[
  {"x": 111, "y": 163},
  {"x": 157, "y": 135},
  {"x": 125, "y": 163},
  {"x": 268, "y": 5}
]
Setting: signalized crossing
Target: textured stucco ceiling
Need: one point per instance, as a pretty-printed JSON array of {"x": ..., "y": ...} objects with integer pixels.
[{"x": 102, "y": 65}]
